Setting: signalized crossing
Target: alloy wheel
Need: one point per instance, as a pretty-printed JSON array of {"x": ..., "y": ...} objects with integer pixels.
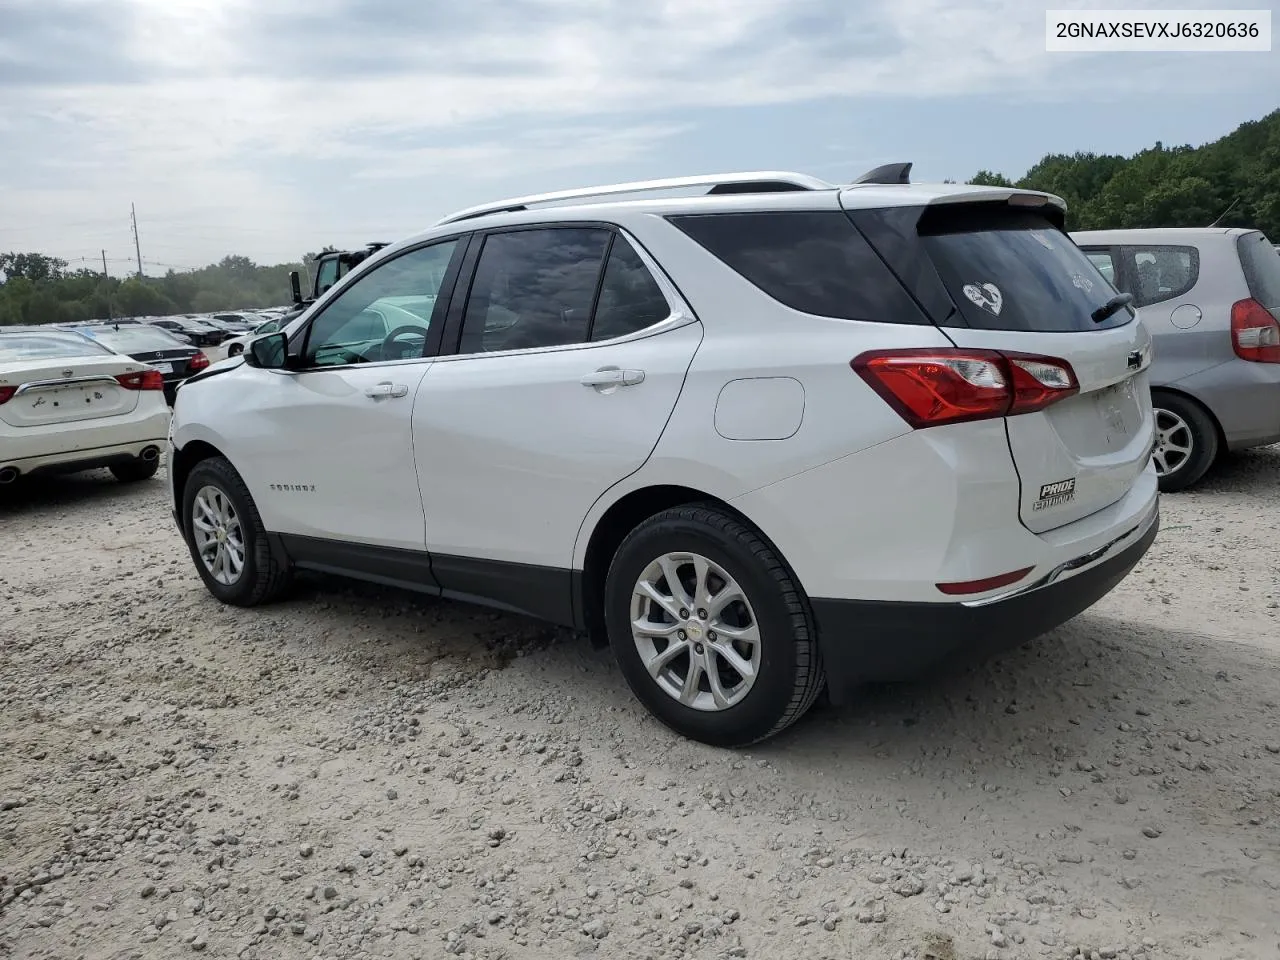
[
  {"x": 1174, "y": 442},
  {"x": 695, "y": 631},
  {"x": 219, "y": 537}
]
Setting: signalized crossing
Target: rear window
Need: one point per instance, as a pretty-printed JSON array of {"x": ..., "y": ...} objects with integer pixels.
[
  {"x": 1261, "y": 263},
  {"x": 812, "y": 261},
  {"x": 46, "y": 346},
  {"x": 136, "y": 339},
  {"x": 1009, "y": 269}
]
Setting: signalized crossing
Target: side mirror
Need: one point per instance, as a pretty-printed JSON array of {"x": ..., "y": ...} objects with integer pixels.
[
  {"x": 268, "y": 353},
  {"x": 295, "y": 286}
]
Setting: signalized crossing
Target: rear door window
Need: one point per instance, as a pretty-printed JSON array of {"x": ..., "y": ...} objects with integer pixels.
[
  {"x": 630, "y": 299},
  {"x": 1009, "y": 269},
  {"x": 1261, "y": 263},
  {"x": 534, "y": 288},
  {"x": 1160, "y": 273}
]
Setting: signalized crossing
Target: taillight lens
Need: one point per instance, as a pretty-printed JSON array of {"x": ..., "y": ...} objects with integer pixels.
[
  {"x": 143, "y": 380},
  {"x": 987, "y": 583},
  {"x": 6, "y": 393},
  {"x": 931, "y": 387},
  {"x": 1255, "y": 333},
  {"x": 199, "y": 362}
]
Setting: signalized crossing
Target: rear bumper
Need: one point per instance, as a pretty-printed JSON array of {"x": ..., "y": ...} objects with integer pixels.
[
  {"x": 865, "y": 641},
  {"x": 94, "y": 443},
  {"x": 73, "y": 461},
  {"x": 1244, "y": 397}
]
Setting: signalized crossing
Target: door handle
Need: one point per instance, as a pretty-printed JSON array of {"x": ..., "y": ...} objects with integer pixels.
[
  {"x": 386, "y": 389},
  {"x": 613, "y": 377}
]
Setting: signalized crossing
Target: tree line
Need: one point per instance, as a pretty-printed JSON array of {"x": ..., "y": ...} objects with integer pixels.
[
  {"x": 35, "y": 288},
  {"x": 1234, "y": 181}
]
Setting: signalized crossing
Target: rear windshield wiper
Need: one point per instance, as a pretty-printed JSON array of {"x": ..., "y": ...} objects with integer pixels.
[{"x": 1112, "y": 306}]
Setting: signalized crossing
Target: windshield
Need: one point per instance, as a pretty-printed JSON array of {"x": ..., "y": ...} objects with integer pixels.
[
  {"x": 136, "y": 339},
  {"x": 47, "y": 346},
  {"x": 1012, "y": 269}
]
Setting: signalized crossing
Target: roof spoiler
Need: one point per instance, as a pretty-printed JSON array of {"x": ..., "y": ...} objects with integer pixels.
[{"x": 887, "y": 173}]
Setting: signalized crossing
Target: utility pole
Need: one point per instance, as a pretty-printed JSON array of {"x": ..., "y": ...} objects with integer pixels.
[
  {"x": 106, "y": 286},
  {"x": 133, "y": 216}
]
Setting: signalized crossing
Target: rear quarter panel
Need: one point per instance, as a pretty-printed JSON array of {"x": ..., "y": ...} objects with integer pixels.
[{"x": 1183, "y": 351}]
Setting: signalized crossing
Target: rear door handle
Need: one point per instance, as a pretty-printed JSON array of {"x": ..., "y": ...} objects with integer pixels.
[
  {"x": 386, "y": 389},
  {"x": 613, "y": 377}
]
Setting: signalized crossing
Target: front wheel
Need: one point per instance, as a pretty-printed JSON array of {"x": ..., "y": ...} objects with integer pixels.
[
  {"x": 710, "y": 629},
  {"x": 1186, "y": 442},
  {"x": 226, "y": 538},
  {"x": 235, "y": 350}
]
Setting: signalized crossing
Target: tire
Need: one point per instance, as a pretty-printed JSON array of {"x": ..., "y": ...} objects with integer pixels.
[
  {"x": 135, "y": 470},
  {"x": 1186, "y": 441},
  {"x": 788, "y": 672},
  {"x": 261, "y": 577},
  {"x": 235, "y": 350}
]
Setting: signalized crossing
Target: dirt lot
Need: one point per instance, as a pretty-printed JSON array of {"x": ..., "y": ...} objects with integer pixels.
[{"x": 361, "y": 773}]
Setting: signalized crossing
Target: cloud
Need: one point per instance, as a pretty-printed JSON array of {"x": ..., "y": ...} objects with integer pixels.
[{"x": 296, "y": 115}]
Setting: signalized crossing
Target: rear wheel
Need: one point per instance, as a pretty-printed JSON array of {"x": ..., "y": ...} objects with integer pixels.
[
  {"x": 710, "y": 629},
  {"x": 135, "y": 470},
  {"x": 225, "y": 536},
  {"x": 1186, "y": 441}
]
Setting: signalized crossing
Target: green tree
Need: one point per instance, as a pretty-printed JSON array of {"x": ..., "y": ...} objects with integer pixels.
[
  {"x": 985, "y": 178},
  {"x": 139, "y": 298}
]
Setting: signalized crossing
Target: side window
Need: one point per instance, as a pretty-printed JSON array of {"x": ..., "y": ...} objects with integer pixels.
[
  {"x": 815, "y": 262},
  {"x": 630, "y": 299},
  {"x": 1161, "y": 273},
  {"x": 385, "y": 314},
  {"x": 1105, "y": 262},
  {"x": 326, "y": 275},
  {"x": 533, "y": 288}
]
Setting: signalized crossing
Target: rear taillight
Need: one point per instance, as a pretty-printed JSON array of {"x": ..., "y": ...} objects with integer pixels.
[
  {"x": 199, "y": 362},
  {"x": 1255, "y": 333},
  {"x": 143, "y": 380},
  {"x": 6, "y": 393},
  {"x": 932, "y": 387}
]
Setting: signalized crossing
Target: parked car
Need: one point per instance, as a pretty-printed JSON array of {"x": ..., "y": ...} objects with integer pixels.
[
  {"x": 234, "y": 323},
  {"x": 235, "y": 346},
  {"x": 69, "y": 404},
  {"x": 154, "y": 346},
  {"x": 736, "y": 432},
  {"x": 201, "y": 333},
  {"x": 1211, "y": 298}
]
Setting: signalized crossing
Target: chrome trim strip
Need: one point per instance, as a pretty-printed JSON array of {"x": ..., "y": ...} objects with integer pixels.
[
  {"x": 39, "y": 384},
  {"x": 1077, "y": 563}
]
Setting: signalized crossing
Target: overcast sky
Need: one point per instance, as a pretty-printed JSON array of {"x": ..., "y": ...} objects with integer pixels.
[{"x": 272, "y": 127}]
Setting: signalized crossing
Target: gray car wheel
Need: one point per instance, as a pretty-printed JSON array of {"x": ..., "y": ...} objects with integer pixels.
[{"x": 1186, "y": 441}]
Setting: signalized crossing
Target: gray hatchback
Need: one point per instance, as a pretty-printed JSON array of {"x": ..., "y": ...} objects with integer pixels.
[{"x": 1211, "y": 299}]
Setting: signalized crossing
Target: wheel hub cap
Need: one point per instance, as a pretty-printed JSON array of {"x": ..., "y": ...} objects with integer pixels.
[
  {"x": 1174, "y": 443},
  {"x": 695, "y": 631},
  {"x": 218, "y": 535}
]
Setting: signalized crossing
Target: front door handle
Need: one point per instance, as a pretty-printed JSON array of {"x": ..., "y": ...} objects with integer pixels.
[
  {"x": 613, "y": 377},
  {"x": 386, "y": 389}
]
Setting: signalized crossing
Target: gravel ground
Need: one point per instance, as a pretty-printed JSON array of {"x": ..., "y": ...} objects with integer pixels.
[{"x": 356, "y": 772}]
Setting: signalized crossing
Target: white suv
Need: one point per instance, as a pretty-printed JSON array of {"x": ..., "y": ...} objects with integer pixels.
[{"x": 758, "y": 432}]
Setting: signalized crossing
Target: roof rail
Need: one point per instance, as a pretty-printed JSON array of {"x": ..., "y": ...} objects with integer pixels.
[
  {"x": 888, "y": 173},
  {"x": 754, "y": 182}
]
